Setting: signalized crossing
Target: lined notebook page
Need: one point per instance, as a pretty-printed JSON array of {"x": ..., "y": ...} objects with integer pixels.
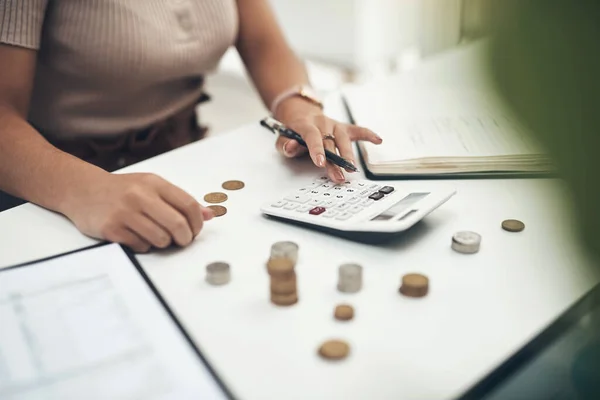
[{"x": 439, "y": 123}]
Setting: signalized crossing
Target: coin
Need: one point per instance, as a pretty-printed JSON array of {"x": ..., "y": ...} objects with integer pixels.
[
  {"x": 414, "y": 285},
  {"x": 285, "y": 249},
  {"x": 334, "y": 350},
  {"x": 344, "y": 312},
  {"x": 284, "y": 299},
  {"x": 218, "y": 273},
  {"x": 349, "y": 278},
  {"x": 218, "y": 210},
  {"x": 285, "y": 285},
  {"x": 466, "y": 242},
  {"x": 233, "y": 185},
  {"x": 513, "y": 225},
  {"x": 215, "y": 197},
  {"x": 283, "y": 267}
]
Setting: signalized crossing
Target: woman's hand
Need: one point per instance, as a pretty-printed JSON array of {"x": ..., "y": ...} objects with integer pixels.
[
  {"x": 138, "y": 210},
  {"x": 310, "y": 122}
]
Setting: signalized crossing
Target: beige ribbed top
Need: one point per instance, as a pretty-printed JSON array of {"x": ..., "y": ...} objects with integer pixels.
[{"x": 106, "y": 66}]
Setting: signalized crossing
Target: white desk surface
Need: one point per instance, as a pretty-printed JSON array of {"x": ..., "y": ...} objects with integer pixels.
[{"x": 481, "y": 308}]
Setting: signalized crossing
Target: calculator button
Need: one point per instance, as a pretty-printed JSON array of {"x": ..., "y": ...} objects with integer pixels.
[
  {"x": 317, "y": 211},
  {"x": 340, "y": 197},
  {"x": 329, "y": 203},
  {"x": 279, "y": 204},
  {"x": 322, "y": 179},
  {"x": 329, "y": 214},
  {"x": 326, "y": 186},
  {"x": 365, "y": 192},
  {"x": 297, "y": 198},
  {"x": 314, "y": 192},
  {"x": 355, "y": 209},
  {"x": 304, "y": 208},
  {"x": 310, "y": 186},
  {"x": 344, "y": 216},
  {"x": 367, "y": 202},
  {"x": 338, "y": 188},
  {"x": 359, "y": 184},
  {"x": 386, "y": 190},
  {"x": 374, "y": 186},
  {"x": 376, "y": 196},
  {"x": 290, "y": 206},
  {"x": 343, "y": 206},
  {"x": 353, "y": 200},
  {"x": 350, "y": 190},
  {"x": 327, "y": 197},
  {"x": 316, "y": 202}
]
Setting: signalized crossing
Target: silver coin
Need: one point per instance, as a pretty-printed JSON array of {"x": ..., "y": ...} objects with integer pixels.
[
  {"x": 218, "y": 273},
  {"x": 285, "y": 249},
  {"x": 349, "y": 278},
  {"x": 466, "y": 242}
]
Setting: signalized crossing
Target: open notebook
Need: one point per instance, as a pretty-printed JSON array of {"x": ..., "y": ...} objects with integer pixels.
[{"x": 442, "y": 131}]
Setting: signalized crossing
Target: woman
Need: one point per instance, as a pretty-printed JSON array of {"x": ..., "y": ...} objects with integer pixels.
[{"x": 88, "y": 87}]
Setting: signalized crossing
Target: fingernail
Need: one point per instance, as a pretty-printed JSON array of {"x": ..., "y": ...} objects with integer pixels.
[
  {"x": 379, "y": 138},
  {"x": 285, "y": 150},
  {"x": 208, "y": 214},
  {"x": 339, "y": 176},
  {"x": 321, "y": 160}
]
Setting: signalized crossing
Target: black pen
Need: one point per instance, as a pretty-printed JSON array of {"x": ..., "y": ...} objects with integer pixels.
[{"x": 277, "y": 127}]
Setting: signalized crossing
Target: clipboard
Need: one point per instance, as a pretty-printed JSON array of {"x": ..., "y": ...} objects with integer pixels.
[{"x": 90, "y": 289}]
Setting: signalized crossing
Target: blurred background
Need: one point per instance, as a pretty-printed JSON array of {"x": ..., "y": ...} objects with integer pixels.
[{"x": 349, "y": 41}]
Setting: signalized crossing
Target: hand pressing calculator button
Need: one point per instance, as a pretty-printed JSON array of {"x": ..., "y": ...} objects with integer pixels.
[{"x": 358, "y": 209}]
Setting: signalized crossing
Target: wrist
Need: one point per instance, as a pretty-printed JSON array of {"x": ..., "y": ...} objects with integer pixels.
[
  {"x": 82, "y": 182},
  {"x": 302, "y": 92},
  {"x": 294, "y": 108}
]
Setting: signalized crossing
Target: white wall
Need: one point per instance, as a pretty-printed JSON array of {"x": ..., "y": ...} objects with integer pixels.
[
  {"x": 364, "y": 35},
  {"x": 369, "y": 38}
]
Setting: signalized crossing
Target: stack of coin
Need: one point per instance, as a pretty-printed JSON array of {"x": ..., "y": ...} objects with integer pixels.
[
  {"x": 414, "y": 285},
  {"x": 466, "y": 242},
  {"x": 284, "y": 290},
  {"x": 218, "y": 273},
  {"x": 285, "y": 249},
  {"x": 350, "y": 278}
]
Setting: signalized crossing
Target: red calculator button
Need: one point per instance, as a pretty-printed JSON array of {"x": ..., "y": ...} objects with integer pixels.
[{"x": 317, "y": 210}]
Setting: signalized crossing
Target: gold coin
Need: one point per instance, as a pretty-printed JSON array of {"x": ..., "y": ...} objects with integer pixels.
[
  {"x": 283, "y": 285},
  {"x": 334, "y": 350},
  {"x": 218, "y": 210},
  {"x": 233, "y": 185},
  {"x": 284, "y": 299},
  {"x": 283, "y": 267},
  {"x": 344, "y": 312},
  {"x": 216, "y": 197},
  {"x": 513, "y": 225},
  {"x": 414, "y": 285}
]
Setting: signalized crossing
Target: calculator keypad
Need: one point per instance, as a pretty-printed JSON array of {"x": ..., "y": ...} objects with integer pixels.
[{"x": 323, "y": 198}]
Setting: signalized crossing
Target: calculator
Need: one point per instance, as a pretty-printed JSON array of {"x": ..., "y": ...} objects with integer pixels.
[{"x": 359, "y": 210}]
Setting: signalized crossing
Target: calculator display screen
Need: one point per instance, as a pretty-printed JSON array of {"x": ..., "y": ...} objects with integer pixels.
[{"x": 400, "y": 206}]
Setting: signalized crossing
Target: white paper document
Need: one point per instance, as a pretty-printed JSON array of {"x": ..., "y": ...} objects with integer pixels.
[
  {"x": 442, "y": 128},
  {"x": 87, "y": 326}
]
